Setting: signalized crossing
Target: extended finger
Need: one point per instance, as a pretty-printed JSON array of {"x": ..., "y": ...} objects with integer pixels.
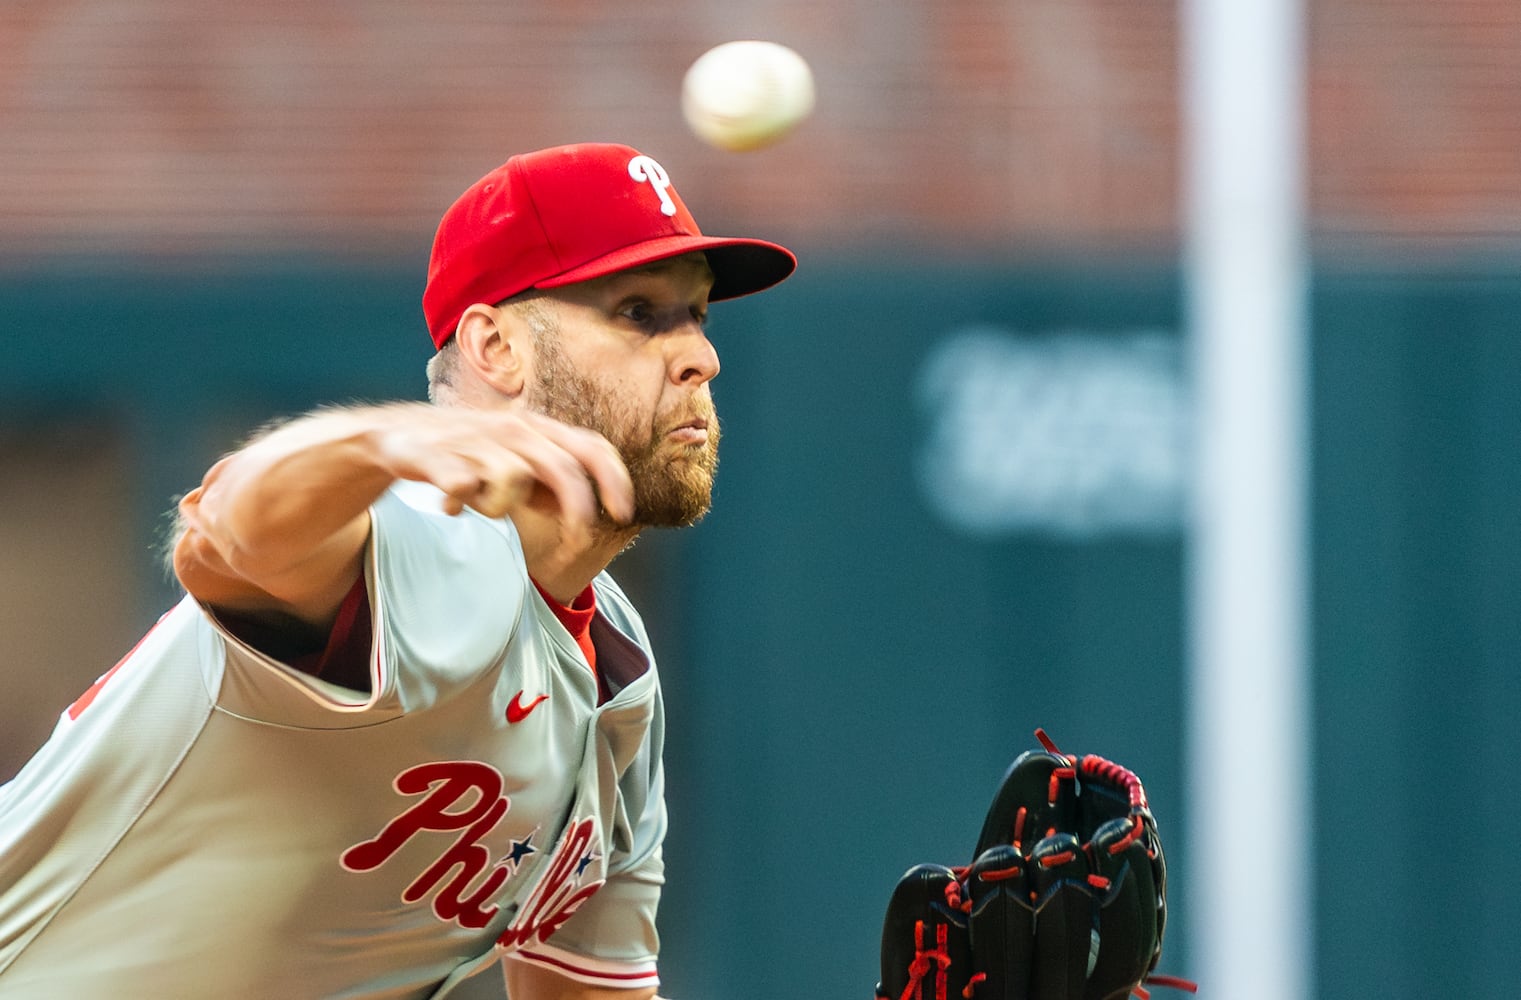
[
  {"x": 504, "y": 481},
  {"x": 511, "y": 475},
  {"x": 598, "y": 458},
  {"x": 421, "y": 460}
]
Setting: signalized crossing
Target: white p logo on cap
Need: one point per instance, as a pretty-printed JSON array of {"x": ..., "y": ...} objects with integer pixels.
[{"x": 646, "y": 170}]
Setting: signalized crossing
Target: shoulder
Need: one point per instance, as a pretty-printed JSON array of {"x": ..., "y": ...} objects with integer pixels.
[
  {"x": 618, "y": 609},
  {"x": 439, "y": 577},
  {"x": 414, "y": 511}
]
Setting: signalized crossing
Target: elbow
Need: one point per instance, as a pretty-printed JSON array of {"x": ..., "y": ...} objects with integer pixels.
[
  {"x": 193, "y": 556},
  {"x": 207, "y": 538},
  {"x": 204, "y": 556}
]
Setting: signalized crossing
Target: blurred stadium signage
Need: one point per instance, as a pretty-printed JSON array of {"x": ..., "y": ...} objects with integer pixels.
[{"x": 1073, "y": 434}]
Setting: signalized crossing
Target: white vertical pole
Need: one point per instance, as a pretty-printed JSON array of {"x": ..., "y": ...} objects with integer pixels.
[{"x": 1249, "y": 906}]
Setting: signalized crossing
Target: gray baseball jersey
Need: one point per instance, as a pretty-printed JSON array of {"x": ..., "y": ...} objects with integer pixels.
[{"x": 207, "y": 821}]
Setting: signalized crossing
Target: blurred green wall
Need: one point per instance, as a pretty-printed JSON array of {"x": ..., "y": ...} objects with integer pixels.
[{"x": 1417, "y": 603}]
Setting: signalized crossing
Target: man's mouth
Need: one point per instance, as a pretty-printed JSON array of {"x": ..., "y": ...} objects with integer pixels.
[{"x": 694, "y": 431}]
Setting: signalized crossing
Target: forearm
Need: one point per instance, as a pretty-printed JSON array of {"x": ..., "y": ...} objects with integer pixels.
[
  {"x": 287, "y": 513},
  {"x": 281, "y": 525},
  {"x": 270, "y": 505}
]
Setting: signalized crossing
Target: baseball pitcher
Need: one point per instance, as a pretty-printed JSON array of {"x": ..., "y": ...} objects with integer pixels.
[{"x": 403, "y": 725}]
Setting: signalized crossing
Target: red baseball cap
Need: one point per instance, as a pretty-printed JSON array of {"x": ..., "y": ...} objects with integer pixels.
[{"x": 572, "y": 213}]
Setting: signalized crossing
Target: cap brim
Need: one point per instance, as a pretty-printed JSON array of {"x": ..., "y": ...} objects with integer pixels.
[{"x": 740, "y": 266}]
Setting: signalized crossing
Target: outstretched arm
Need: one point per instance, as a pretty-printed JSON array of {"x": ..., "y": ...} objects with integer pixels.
[{"x": 280, "y": 526}]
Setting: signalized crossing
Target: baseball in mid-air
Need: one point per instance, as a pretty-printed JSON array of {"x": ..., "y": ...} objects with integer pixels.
[{"x": 744, "y": 95}]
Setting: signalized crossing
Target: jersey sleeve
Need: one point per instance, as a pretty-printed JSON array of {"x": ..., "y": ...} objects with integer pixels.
[
  {"x": 445, "y": 595},
  {"x": 612, "y": 941}
]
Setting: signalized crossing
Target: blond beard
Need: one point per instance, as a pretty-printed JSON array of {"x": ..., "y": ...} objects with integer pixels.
[{"x": 671, "y": 490}]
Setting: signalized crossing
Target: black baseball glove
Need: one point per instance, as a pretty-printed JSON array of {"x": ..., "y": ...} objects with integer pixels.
[{"x": 1065, "y": 898}]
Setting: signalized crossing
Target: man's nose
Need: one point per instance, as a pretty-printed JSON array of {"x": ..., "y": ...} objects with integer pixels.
[{"x": 694, "y": 359}]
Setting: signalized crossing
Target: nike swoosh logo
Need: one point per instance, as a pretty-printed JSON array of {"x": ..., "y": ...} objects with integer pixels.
[{"x": 517, "y": 711}]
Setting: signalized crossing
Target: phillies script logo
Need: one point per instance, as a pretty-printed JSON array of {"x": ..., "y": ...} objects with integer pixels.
[
  {"x": 465, "y": 798},
  {"x": 559, "y": 893}
]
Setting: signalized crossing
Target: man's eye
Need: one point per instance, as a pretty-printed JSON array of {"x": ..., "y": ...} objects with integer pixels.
[{"x": 639, "y": 312}]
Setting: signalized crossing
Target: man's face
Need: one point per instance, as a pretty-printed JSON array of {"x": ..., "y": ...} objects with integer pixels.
[{"x": 626, "y": 356}]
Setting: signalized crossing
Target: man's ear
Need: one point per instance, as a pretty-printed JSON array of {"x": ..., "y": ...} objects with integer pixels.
[{"x": 494, "y": 343}]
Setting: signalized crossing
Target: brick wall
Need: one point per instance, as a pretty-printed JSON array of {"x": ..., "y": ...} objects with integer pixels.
[
  {"x": 171, "y": 126},
  {"x": 1416, "y": 119}
]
